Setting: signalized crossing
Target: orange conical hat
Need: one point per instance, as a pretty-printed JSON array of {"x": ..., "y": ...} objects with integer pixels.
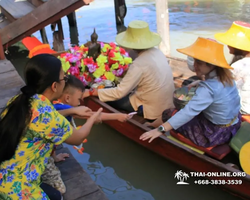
[
  {"x": 36, "y": 47},
  {"x": 207, "y": 50}
]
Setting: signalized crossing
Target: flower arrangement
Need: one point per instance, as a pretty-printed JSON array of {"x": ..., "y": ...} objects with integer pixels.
[{"x": 111, "y": 64}]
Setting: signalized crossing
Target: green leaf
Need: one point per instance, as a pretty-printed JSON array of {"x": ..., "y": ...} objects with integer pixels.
[{"x": 30, "y": 145}]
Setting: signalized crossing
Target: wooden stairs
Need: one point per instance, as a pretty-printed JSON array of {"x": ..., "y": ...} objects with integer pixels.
[{"x": 24, "y": 17}]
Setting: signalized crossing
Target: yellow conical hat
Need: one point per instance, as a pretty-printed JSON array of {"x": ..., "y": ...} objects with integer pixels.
[
  {"x": 245, "y": 157},
  {"x": 238, "y": 36},
  {"x": 138, "y": 36},
  {"x": 208, "y": 51}
]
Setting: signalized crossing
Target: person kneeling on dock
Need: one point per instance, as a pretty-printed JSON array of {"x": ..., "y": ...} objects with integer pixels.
[
  {"x": 148, "y": 85},
  {"x": 70, "y": 99},
  {"x": 30, "y": 127},
  {"x": 212, "y": 116}
]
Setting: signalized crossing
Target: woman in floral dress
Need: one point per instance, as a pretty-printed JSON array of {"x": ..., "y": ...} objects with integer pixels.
[{"x": 29, "y": 128}]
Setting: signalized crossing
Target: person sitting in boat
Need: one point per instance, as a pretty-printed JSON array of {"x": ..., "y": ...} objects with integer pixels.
[
  {"x": 212, "y": 116},
  {"x": 30, "y": 127},
  {"x": 148, "y": 85},
  {"x": 237, "y": 38}
]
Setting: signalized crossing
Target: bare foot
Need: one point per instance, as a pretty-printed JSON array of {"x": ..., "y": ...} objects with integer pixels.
[{"x": 61, "y": 157}]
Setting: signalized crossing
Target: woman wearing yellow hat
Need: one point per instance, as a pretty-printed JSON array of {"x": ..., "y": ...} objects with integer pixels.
[
  {"x": 238, "y": 40},
  {"x": 148, "y": 85},
  {"x": 211, "y": 117}
]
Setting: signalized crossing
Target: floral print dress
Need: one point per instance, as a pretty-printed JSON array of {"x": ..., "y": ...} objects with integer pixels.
[{"x": 20, "y": 177}]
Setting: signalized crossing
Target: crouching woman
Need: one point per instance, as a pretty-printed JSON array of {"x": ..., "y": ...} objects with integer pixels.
[{"x": 212, "y": 116}]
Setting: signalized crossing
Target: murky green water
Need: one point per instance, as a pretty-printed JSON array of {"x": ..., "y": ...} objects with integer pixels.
[{"x": 123, "y": 169}]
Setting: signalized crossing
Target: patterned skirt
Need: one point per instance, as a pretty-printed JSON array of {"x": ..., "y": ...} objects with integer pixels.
[{"x": 204, "y": 133}]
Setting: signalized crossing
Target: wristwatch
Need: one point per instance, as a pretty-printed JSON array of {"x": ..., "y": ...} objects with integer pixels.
[
  {"x": 161, "y": 129},
  {"x": 91, "y": 91}
]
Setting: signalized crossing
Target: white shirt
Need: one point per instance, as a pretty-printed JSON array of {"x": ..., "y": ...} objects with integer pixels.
[{"x": 241, "y": 74}]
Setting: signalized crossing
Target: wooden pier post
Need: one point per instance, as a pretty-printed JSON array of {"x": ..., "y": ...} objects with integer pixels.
[
  {"x": 72, "y": 19},
  {"x": 44, "y": 36},
  {"x": 162, "y": 16},
  {"x": 120, "y": 13},
  {"x": 58, "y": 37}
]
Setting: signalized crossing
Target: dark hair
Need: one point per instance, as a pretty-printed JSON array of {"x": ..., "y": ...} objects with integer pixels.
[
  {"x": 238, "y": 55},
  {"x": 74, "y": 82},
  {"x": 41, "y": 72}
]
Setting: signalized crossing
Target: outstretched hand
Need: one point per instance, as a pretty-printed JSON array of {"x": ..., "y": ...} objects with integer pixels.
[
  {"x": 96, "y": 117},
  {"x": 151, "y": 135},
  {"x": 83, "y": 111},
  {"x": 195, "y": 83}
]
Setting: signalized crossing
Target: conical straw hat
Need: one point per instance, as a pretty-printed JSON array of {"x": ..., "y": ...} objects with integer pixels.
[
  {"x": 138, "y": 36},
  {"x": 238, "y": 36},
  {"x": 245, "y": 157},
  {"x": 208, "y": 51}
]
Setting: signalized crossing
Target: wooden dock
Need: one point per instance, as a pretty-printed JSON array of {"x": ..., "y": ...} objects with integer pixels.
[
  {"x": 79, "y": 185},
  {"x": 23, "y": 18},
  {"x": 11, "y": 82}
]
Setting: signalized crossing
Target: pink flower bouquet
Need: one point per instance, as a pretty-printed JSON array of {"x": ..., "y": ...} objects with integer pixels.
[{"x": 110, "y": 65}]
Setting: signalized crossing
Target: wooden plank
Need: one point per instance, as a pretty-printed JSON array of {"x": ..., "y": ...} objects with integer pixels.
[
  {"x": 40, "y": 17},
  {"x": 36, "y": 2},
  {"x": 4, "y": 23},
  {"x": 7, "y": 15},
  {"x": 79, "y": 184},
  {"x": 11, "y": 82},
  {"x": 6, "y": 66},
  {"x": 2, "y": 56},
  {"x": 16, "y": 9}
]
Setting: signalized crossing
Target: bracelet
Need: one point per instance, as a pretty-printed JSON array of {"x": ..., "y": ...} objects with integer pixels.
[{"x": 91, "y": 91}]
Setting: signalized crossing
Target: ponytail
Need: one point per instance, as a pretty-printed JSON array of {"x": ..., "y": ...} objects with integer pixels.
[
  {"x": 14, "y": 120},
  {"x": 41, "y": 72}
]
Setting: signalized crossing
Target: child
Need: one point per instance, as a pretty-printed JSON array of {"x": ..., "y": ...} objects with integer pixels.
[{"x": 71, "y": 98}]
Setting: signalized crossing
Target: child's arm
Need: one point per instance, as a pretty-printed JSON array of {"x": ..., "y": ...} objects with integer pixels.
[
  {"x": 80, "y": 110},
  {"x": 114, "y": 116},
  {"x": 110, "y": 116}
]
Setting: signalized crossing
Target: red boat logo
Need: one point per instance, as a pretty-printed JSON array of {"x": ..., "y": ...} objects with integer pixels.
[{"x": 181, "y": 177}]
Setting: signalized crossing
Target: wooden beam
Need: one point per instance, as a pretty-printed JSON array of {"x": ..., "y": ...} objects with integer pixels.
[
  {"x": 162, "y": 16},
  {"x": 2, "y": 56},
  {"x": 42, "y": 16},
  {"x": 17, "y": 9}
]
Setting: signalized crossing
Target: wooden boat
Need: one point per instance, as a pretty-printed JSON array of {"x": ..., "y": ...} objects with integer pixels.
[{"x": 187, "y": 158}]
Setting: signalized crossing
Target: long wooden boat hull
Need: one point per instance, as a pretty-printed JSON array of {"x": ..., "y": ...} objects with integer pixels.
[{"x": 179, "y": 154}]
